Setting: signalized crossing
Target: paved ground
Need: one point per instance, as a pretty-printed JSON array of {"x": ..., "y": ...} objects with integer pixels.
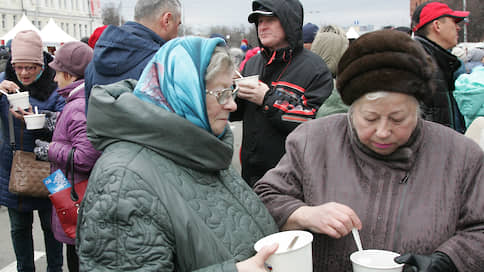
[{"x": 7, "y": 256}]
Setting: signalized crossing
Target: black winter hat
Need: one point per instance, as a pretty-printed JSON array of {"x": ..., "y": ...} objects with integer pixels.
[{"x": 385, "y": 60}]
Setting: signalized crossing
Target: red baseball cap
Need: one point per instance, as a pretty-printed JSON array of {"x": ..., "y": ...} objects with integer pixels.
[{"x": 430, "y": 11}]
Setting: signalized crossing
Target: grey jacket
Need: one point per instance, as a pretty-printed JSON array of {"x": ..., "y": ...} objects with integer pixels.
[
  {"x": 426, "y": 196},
  {"x": 162, "y": 196}
]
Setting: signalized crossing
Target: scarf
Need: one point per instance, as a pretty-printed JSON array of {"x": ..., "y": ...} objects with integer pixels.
[{"x": 174, "y": 79}]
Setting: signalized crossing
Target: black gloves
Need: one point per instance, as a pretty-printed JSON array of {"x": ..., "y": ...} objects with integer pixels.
[{"x": 437, "y": 262}]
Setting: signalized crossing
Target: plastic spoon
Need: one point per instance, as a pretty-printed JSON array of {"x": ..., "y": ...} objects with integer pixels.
[
  {"x": 238, "y": 74},
  {"x": 36, "y": 110},
  {"x": 293, "y": 242},
  {"x": 356, "y": 236},
  {"x": 5, "y": 93}
]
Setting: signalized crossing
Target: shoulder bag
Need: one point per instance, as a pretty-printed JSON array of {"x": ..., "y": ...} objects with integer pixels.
[
  {"x": 27, "y": 173},
  {"x": 67, "y": 201}
]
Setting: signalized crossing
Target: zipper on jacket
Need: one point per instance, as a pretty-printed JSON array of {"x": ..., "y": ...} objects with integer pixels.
[
  {"x": 397, "y": 238},
  {"x": 404, "y": 179}
]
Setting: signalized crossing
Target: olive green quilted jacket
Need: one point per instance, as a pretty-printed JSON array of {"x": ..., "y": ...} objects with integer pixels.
[{"x": 163, "y": 196}]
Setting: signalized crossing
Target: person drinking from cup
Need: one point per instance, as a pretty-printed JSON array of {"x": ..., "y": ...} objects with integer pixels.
[
  {"x": 410, "y": 186},
  {"x": 163, "y": 196},
  {"x": 27, "y": 71}
]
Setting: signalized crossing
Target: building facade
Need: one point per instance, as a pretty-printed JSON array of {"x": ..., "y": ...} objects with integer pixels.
[{"x": 77, "y": 18}]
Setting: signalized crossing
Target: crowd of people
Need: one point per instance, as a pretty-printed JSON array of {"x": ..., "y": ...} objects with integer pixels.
[{"x": 336, "y": 135}]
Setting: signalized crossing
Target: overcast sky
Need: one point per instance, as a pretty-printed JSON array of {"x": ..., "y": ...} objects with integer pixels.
[{"x": 205, "y": 13}]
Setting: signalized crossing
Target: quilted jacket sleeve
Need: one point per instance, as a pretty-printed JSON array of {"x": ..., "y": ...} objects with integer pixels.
[
  {"x": 122, "y": 225},
  {"x": 223, "y": 267}
]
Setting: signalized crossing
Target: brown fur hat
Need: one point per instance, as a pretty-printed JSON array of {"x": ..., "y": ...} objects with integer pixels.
[{"x": 385, "y": 60}]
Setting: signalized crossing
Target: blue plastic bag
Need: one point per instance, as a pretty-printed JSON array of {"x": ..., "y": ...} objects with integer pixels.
[{"x": 56, "y": 182}]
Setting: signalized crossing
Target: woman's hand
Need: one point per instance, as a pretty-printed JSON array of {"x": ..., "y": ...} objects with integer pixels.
[
  {"x": 333, "y": 219},
  {"x": 19, "y": 113},
  {"x": 8, "y": 87},
  {"x": 256, "y": 263},
  {"x": 252, "y": 92}
]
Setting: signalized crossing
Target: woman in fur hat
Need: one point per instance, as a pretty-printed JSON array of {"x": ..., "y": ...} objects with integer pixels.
[
  {"x": 27, "y": 71},
  {"x": 409, "y": 185}
]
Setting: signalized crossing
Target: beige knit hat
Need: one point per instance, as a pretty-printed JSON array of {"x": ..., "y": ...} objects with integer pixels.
[{"x": 27, "y": 47}]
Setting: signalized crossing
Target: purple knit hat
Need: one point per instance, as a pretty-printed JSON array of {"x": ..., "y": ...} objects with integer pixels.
[{"x": 72, "y": 58}]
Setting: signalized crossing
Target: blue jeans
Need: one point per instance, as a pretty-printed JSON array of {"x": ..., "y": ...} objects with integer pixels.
[{"x": 23, "y": 244}]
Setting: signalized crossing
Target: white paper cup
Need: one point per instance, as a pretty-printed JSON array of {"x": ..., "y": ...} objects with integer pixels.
[
  {"x": 299, "y": 258},
  {"x": 253, "y": 80},
  {"x": 375, "y": 260},
  {"x": 34, "y": 121},
  {"x": 17, "y": 100}
]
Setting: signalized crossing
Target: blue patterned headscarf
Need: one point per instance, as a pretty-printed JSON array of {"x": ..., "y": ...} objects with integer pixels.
[{"x": 174, "y": 79}]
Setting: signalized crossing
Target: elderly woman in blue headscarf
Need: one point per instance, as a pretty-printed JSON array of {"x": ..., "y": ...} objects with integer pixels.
[{"x": 163, "y": 197}]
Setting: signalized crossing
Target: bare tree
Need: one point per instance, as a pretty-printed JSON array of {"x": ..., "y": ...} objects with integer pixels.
[{"x": 111, "y": 14}]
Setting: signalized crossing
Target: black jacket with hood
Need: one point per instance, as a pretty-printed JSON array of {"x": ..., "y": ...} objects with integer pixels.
[
  {"x": 299, "y": 82},
  {"x": 441, "y": 107}
]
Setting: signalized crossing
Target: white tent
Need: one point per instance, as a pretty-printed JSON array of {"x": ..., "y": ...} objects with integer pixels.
[
  {"x": 23, "y": 24},
  {"x": 352, "y": 34},
  {"x": 52, "y": 34}
]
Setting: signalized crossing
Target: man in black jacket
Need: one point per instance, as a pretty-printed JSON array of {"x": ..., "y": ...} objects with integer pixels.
[
  {"x": 436, "y": 27},
  {"x": 293, "y": 83}
]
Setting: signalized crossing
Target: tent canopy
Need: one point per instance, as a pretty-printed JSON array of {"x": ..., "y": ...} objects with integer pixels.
[
  {"x": 352, "y": 34},
  {"x": 23, "y": 24},
  {"x": 52, "y": 34}
]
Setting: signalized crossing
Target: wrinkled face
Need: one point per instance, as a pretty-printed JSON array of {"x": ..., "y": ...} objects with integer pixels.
[
  {"x": 27, "y": 72},
  {"x": 218, "y": 115},
  {"x": 271, "y": 33},
  {"x": 449, "y": 32},
  {"x": 385, "y": 123}
]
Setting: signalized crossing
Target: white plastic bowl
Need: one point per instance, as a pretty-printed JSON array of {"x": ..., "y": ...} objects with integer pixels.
[
  {"x": 19, "y": 100},
  {"x": 34, "y": 121},
  {"x": 375, "y": 260},
  {"x": 299, "y": 258}
]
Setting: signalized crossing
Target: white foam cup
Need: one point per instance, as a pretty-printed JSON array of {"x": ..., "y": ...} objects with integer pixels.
[
  {"x": 375, "y": 260},
  {"x": 34, "y": 121},
  {"x": 253, "y": 80},
  {"x": 17, "y": 100},
  {"x": 298, "y": 258}
]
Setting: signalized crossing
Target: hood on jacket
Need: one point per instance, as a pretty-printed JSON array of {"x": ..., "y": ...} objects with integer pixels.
[
  {"x": 162, "y": 131},
  {"x": 291, "y": 16},
  {"x": 118, "y": 50}
]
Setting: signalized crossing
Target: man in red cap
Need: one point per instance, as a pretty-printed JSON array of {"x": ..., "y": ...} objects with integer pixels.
[{"x": 436, "y": 27}]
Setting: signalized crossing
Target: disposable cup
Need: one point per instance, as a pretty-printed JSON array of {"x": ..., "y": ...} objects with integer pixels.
[
  {"x": 34, "y": 121},
  {"x": 253, "y": 80},
  {"x": 17, "y": 100},
  {"x": 375, "y": 260},
  {"x": 297, "y": 258}
]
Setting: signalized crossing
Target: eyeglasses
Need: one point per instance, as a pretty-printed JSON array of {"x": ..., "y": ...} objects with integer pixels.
[
  {"x": 27, "y": 69},
  {"x": 224, "y": 95}
]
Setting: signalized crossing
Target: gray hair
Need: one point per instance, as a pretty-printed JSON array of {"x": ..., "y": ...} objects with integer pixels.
[
  {"x": 151, "y": 9},
  {"x": 221, "y": 61},
  {"x": 378, "y": 95}
]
